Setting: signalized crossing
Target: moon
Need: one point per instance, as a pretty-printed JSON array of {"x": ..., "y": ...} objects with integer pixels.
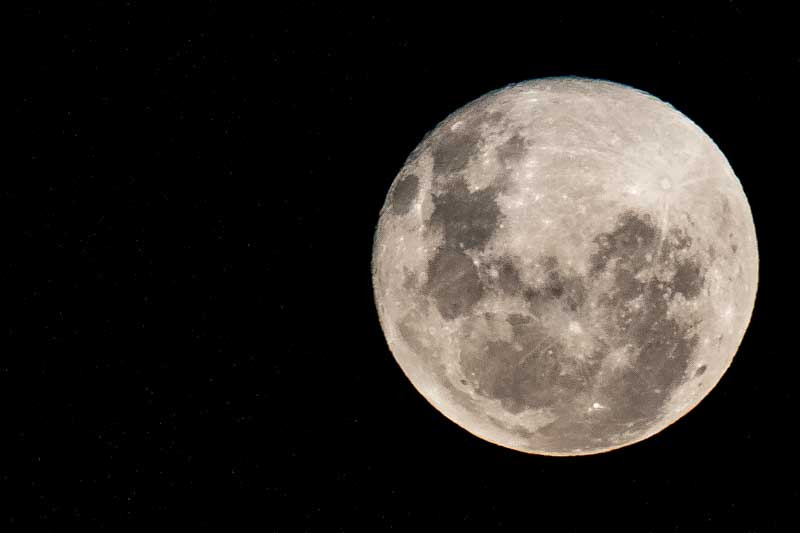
[{"x": 565, "y": 266}]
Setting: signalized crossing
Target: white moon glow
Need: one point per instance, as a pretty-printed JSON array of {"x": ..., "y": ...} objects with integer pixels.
[{"x": 565, "y": 266}]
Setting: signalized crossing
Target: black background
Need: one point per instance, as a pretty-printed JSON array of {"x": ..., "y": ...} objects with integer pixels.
[{"x": 190, "y": 331}]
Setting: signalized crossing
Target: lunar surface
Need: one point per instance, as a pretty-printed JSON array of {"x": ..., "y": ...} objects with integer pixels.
[{"x": 565, "y": 266}]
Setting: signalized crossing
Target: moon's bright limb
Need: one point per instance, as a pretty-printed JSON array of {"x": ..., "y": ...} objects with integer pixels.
[{"x": 565, "y": 266}]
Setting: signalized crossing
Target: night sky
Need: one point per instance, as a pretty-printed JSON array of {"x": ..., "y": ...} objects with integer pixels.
[{"x": 189, "y": 335}]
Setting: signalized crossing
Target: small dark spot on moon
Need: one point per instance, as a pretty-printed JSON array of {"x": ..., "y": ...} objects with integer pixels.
[
  {"x": 627, "y": 286},
  {"x": 534, "y": 297},
  {"x": 512, "y": 150},
  {"x": 467, "y": 219},
  {"x": 550, "y": 262},
  {"x": 558, "y": 285},
  {"x": 554, "y": 285},
  {"x": 734, "y": 247},
  {"x": 688, "y": 279},
  {"x": 404, "y": 194},
  {"x": 632, "y": 238},
  {"x": 463, "y": 381},
  {"x": 700, "y": 371},
  {"x": 726, "y": 207},
  {"x": 409, "y": 279},
  {"x": 512, "y": 404},
  {"x": 508, "y": 278},
  {"x": 574, "y": 293},
  {"x": 678, "y": 239},
  {"x": 516, "y": 319},
  {"x": 453, "y": 282}
]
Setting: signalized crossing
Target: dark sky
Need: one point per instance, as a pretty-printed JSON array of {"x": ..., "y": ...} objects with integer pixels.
[{"x": 190, "y": 336}]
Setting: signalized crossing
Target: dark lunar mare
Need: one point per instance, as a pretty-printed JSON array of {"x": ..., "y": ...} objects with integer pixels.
[
  {"x": 634, "y": 395},
  {"x": 525, "y": 373},
  {"x": 533, "y": 370},
  {"x": 453, "y": 282},
  {"x": 466, "y": 219},
  {"x": 452, "y": 149},
  {"x": 404, "y": 193}
]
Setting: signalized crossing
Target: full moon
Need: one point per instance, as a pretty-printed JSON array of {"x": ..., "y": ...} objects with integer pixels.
[{"x": 565, "y": 266}]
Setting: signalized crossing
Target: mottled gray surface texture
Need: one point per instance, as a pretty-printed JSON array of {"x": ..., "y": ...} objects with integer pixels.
[{"x": 565, "y": 266}]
